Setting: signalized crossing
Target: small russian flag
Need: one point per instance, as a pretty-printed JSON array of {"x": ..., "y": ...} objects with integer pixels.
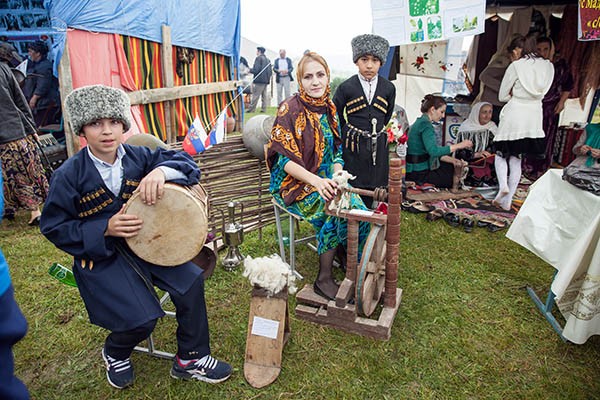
[
  {"x": 217, "y": 133},
  {"x": 195, "y": 139}
]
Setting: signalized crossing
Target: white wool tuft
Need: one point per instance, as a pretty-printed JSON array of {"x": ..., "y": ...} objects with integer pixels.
[
  {"x": 341, "y": 202},
  {"x": 270, "y": 273}
]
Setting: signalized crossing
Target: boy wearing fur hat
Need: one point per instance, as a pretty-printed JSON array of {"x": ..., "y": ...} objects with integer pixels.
[
  {"x": 84, "y": 217},
  {"x": 365, "y": 103}
]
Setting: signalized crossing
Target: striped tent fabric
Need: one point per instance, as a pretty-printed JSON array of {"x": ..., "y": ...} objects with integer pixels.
[{"x": 144, "y": 58}]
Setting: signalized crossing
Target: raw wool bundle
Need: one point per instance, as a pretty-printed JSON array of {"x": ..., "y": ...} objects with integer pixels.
[
  {"x": 342, "y": 200},
  {"x": 270, "y": 273}
]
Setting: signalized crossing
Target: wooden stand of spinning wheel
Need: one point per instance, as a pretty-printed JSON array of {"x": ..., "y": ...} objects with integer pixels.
[{"x": 370, "y": 283}]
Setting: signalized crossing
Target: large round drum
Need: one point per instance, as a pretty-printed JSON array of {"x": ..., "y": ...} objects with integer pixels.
[{"x": 174, "y": 228}]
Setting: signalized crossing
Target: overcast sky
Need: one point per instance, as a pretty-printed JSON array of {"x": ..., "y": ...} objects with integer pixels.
[{"x": 324, "y": 26}]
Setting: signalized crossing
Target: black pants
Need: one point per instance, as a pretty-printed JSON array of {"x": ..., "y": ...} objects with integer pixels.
[
  {"x": 192, "y": 331},
  {"x": 440, "y": 177}
]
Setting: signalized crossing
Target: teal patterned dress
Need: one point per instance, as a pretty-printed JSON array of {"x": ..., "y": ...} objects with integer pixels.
[{"x": 330, "y": 231}]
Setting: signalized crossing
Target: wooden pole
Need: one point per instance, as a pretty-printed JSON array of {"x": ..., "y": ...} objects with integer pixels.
[
  {"x": 66, "y": 86},
  {"x": 180, "y": 92},
  {"x": 168, "y": 79},
  {"x": 392, "y": 236},
  {"x": 352, "y": 253}
]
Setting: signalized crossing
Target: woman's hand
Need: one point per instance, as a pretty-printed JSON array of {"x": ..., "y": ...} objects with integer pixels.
[
  {"x": 595, "y": 153},
  {"x": 456, "y": 162},
  {"x": 465, "y": 144},
  {"x": 482, "y": 154},
  {"x": 152, "y": 186},
  {"x": 459, "y": 163},
  {"x": 583, "y": 150},
  {"x": 326, "y": 187},
  {"x": 123, "y": 225}
]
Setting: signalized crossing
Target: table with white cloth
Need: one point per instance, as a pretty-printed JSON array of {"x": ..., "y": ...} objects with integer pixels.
[{"x": 560, "y": 223}]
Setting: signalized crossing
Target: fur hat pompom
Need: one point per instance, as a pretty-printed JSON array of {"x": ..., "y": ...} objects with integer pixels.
[
  {"x": 91, "y": 103},
  {"x": 370, "y": 44}
]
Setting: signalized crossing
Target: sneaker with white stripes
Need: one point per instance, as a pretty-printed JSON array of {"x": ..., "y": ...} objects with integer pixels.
[
  {"x": 206, "y": 369},
  {"x": 118, "y": 372}
]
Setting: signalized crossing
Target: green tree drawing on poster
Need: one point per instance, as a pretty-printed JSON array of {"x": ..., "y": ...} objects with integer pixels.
[{"x": 423, "y": 7}]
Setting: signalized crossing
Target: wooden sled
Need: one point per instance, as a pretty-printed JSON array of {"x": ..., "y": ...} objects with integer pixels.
[{"x": 268, "y": 332}]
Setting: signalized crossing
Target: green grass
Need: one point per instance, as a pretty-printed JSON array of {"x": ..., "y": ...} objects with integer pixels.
[
  {"x": 465, "y": 329},
  {"x": 270, "y": 111}
]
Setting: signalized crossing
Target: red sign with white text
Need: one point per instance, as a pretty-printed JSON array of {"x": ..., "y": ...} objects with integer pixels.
[{"x": 589, "y": 20}]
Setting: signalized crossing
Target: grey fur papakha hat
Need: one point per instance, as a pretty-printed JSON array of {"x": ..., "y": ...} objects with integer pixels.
[
  {"x": 370, "y": 44},
  {"x": 90, "y": 103}
]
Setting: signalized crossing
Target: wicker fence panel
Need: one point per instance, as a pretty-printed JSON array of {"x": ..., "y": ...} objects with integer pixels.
[{"x": 231, "y": 173}]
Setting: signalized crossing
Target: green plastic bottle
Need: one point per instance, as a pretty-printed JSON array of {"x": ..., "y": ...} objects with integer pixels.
[{"x": 63, "y": 274}]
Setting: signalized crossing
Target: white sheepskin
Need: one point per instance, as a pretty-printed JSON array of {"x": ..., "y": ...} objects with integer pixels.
[
  {"x": 341, "y": 201},
  {"x": 270, "y": 273}
]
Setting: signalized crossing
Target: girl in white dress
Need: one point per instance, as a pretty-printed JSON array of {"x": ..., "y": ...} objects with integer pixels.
[{"x": 523, "y": 87}]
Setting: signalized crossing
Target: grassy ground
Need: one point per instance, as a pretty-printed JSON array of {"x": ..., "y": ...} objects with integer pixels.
[
  {"x": 466, "y": 329},
  {"x": 270, "y": 111}
]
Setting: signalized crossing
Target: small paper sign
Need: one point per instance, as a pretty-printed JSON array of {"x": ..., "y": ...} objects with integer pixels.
[{"x": 265, "y": 327}]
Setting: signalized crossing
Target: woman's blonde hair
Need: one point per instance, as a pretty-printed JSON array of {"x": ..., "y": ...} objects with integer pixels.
[{"x": 310, "y": 56}]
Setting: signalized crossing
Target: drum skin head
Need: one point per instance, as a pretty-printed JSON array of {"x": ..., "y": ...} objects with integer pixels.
[{"x": 174, "y": 229}]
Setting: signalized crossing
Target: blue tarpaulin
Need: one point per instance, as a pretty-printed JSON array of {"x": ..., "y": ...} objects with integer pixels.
[{"x": 211, "y": 25}]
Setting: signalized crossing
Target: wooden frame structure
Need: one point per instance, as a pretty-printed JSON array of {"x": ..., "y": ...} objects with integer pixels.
[
  {"x": 344, "y": 311},
  {"x": 168, "y": 94}
]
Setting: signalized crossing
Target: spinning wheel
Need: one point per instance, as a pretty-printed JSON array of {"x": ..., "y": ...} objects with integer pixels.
[{"x": 370, "y": 281}]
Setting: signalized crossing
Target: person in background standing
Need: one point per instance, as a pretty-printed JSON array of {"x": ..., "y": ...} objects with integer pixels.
[
  {"x": 552, "y": 105},
  {"x": 361, "y": 100},
  {"x": 491, "y": 76},
  {"x": 283, "y": 75},
  {"x": 520, "y": 132},
  {"x": 262, "y": 77},
  {"x": 25, "y": 185},
  {"x": 246, "y": 77},
  {"x": 41, "y": 86}
]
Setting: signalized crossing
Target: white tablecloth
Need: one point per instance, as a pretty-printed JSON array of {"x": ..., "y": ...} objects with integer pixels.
[{"x": 560, "y": 223}]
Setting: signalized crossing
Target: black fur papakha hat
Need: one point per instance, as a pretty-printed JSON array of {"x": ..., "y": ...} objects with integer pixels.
[
  {"x": 90, "y": 103},
  {"x": 370, "y": 44}
]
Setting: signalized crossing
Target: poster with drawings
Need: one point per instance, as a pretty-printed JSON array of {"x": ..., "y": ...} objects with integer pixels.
[
  {"x": 23, "y": 15},
  {"x": 418, "y": 21}
]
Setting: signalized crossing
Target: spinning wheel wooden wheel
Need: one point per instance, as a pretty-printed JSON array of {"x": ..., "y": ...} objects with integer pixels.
[{"x": 370, "y": 281}]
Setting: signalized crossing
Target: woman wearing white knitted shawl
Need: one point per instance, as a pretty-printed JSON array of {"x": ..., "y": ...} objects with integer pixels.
[{"x": 478, "y": 127}]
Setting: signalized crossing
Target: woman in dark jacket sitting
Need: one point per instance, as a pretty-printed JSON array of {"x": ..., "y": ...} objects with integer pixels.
[{"x": 426, "y": 162}]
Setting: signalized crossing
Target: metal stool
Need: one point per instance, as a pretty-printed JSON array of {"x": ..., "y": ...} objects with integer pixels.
[
  {"x": 294, "y": 221},
  {"x": 151, "y": 350},
  {"x": 207, "y": 260}
]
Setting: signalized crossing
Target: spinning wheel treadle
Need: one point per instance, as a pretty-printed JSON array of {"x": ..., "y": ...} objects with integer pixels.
[{"x": 370, "y": 280}]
